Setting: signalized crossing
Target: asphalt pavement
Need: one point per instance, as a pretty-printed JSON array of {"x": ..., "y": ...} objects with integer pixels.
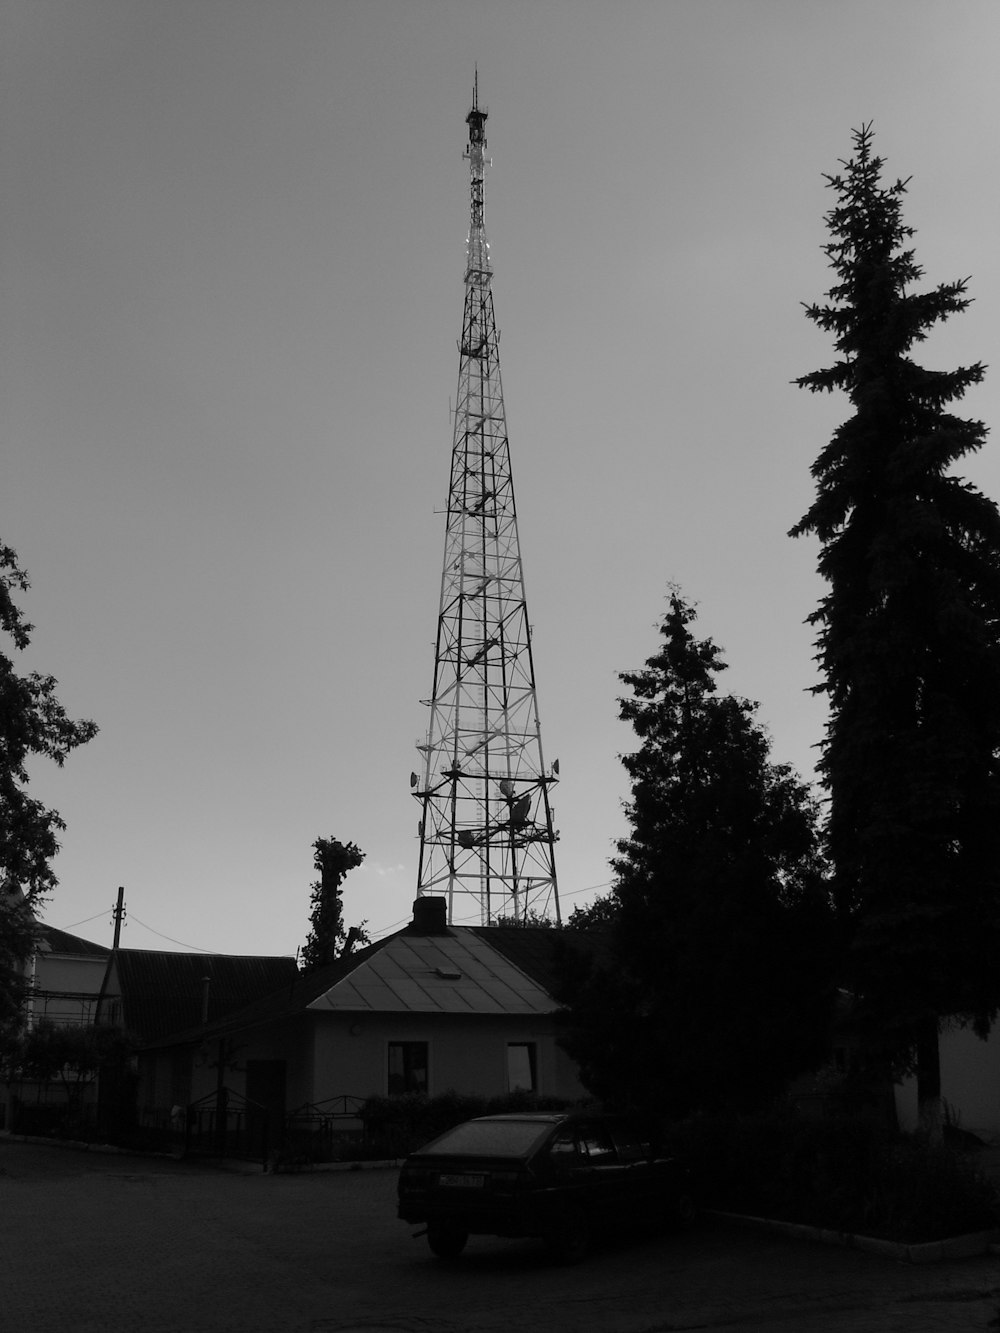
[{"x": 114, "y": 1243}]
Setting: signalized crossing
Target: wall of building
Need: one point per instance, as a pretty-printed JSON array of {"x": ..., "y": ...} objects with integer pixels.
[
  {"x": 331, "y": 1055},
  {"x": 65, "y": 987},
  {"x": 970, "y": 1084},
  {"x": 466, "y": 1053}
]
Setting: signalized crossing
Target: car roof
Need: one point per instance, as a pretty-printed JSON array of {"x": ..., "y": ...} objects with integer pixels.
[{"x": 541, "y": 1117}]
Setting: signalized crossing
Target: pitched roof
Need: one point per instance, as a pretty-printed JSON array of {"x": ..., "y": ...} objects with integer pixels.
[
  {"x": 463, "y": 970},
  {"x": 61, "y": 941},
  {"x": 537, "y": 950},
  {"x": 288, "y": 999},
  {"x": 165, "y": 992},
  {"x": 456, "y": 973}
]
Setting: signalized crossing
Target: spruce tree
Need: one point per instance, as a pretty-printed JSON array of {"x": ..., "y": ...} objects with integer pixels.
[
  {"x": 909, "y": 641},
  {"x": 718, "y": 989}
]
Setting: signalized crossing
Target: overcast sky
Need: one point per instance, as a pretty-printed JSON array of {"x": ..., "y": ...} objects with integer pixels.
[{"x": 233, "y": 241}]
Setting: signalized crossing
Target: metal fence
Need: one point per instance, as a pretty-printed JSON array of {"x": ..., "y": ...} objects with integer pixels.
[
  {"x": 322, "y": 1131},
  {"x": 222, "y": 1124}
]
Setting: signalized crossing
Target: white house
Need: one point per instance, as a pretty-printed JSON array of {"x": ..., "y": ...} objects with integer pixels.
[{"x": 432, "y": 1008}]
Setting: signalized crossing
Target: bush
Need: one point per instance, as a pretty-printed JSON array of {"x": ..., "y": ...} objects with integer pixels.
[
  {"x": 848, "y": 1175},
  {"x": 401, "y": 1124}
]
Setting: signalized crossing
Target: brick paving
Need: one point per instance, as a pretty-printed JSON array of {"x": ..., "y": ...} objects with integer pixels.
[{"x": 95, "y": 1243}]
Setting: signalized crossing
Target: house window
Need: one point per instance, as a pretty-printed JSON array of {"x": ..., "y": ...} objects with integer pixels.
[
  {"x": 407, "y": 1067},
  {"x": 522, "y": 1066}
]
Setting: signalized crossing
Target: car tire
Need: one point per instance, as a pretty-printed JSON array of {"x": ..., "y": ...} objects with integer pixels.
[
  {"x": 568, "y": 1238},
  {"x": 446, "y": 1239}
]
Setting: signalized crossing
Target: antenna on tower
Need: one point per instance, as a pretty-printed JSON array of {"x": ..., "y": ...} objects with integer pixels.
[{"x": 486, "y": 833}]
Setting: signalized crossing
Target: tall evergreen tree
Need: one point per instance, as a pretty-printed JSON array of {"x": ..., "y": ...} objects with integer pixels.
[
  {"x": 328, "y": 937},
  {"x": 717, "y": 993},
  {"x": 909, "y": 640}
]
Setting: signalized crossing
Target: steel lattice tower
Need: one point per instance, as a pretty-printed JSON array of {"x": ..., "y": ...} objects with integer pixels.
[{"x": 486, "y": 834}]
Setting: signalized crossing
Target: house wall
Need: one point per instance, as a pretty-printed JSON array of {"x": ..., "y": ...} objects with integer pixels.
[
  {"x": 970, "y": 1084},
  {"x": 64, "y": 990},
  {"x": 65, "y": 987},
  {"x": 466, "y": 1053},
  {"x": 331, "y": 1055},
  {"x": 183, "y": 1074}
]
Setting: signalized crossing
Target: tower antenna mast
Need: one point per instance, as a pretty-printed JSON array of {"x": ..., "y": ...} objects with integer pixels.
[{"x": 487, "y": 841}]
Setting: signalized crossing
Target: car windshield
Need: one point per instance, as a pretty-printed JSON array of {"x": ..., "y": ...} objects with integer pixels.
[{"x": 489, "y": 1138}]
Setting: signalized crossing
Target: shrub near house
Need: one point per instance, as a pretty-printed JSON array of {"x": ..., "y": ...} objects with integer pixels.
[{"x": 847, "y": 1175}]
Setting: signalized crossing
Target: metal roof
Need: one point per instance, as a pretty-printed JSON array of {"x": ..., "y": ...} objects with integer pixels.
[
  {"x": 165, "y": 992},
  {"x": 463, "y": 970},
  {"x": 58, "y": 941},
  {"x": 457, "y": 973},
  {"x": 541, "y": 951}
]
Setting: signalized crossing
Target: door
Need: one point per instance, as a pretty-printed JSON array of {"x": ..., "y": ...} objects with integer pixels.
[{"x": 265, "y": 1103}]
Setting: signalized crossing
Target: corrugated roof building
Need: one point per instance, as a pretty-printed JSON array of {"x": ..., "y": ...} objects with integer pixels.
[{"x": 152, "y": 993}]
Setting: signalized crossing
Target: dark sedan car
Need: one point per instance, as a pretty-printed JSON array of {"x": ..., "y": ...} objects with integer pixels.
[{"x": 561, "y": 1177}]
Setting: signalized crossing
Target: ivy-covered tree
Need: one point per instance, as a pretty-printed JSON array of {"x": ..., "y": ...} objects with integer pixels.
[
  {"x": 32, "y": 723},
  {"x": 719, "y": 983},
  {"x": 909, "y": 641},
  {"x": 329, "y": 939}
]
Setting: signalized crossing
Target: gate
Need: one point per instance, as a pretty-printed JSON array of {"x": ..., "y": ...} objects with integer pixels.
[
  {"x": 224, "y": 1123},
  {"x": 318, "y": 1131}
]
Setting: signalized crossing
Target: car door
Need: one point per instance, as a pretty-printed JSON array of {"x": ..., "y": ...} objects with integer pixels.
[
  {"x": 642, "y": 1186},
  {"x": 606, "y": 1175}
]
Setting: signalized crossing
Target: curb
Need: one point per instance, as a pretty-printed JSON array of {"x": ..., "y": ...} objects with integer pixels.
[
  {"x": 954, "y": 1247},
  {"x": 313, "y": 1167},
  {"x": 81, "y": 1145},
  {"x": 237, "y": 1164}
]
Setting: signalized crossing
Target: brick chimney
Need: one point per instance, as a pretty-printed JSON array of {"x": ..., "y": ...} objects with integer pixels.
[{"x": 430, "y": 916}]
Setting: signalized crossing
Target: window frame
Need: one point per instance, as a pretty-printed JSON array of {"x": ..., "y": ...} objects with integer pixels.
[
  {"x": 404, "y": 1044},
  {"x": 531, "y": 1047}
]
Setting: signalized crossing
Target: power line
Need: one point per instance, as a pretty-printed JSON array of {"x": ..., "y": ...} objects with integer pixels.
[
  {"x": 85, "y": 921},
  {"x": 193, "y": 947}
]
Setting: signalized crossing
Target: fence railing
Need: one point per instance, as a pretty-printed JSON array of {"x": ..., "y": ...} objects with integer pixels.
[
  {"x": 222, "y": 1124},
  {"x": 319, "y": 1131}
]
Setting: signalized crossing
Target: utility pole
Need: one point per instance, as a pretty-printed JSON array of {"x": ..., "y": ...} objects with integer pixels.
[
  {"x": 487, "y": 841},
  {"x": 118, "y": 916}
]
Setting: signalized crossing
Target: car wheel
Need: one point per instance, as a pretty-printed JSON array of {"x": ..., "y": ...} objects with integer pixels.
[
  {"x": 568, "y": 1239},
  {"x": 446, "y": 1239}
]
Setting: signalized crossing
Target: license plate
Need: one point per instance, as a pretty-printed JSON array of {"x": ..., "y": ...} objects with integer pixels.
[{"x": 465, "y": 1182}]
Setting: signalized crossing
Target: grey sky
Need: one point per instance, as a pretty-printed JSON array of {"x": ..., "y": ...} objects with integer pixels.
[{"x": 232, "y": 254}]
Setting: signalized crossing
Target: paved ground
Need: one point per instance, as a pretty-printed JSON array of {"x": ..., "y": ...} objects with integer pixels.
[{"x": 93, "y": 1243}]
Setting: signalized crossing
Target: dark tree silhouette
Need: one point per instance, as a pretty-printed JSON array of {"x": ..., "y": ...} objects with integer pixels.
[
  {"x": 908, "y": 642},
  {"x": 329, "y": 939},
  {"x": 719, "y": 988},
  {"x": 600, "y": 914},
  {"x": 32, "y": 723}
]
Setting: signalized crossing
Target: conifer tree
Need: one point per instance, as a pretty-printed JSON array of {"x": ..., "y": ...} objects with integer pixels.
[
  {"x": 909, "y": 641},
  {"x": 718, "y": 989}
]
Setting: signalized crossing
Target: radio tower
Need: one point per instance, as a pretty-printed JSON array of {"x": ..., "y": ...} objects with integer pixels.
[{"x": 486, "y": 835}]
